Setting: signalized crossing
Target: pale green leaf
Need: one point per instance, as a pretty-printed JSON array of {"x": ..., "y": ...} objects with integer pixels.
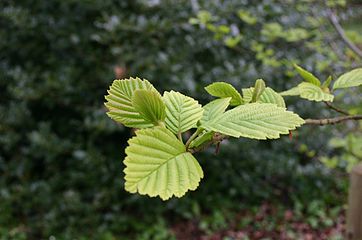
[
  {"x": 268, "y": 96},
  {"x": 157, "y": 164},
  {"x": 150, "y": 105},
  {"x": 182, "y": 112},
  {"x": 291, "y": 92},
  {"x": 205, "y": 136},
  {"x": 225, "y": 90},
  {"x": 255, "y": 120},
  {"x": 119, "y": 102},
  {"x": 314, "y": 93},
  {"x": 326, "y": 83},
  {"x": 307, "y": 76},
  {"x": 349, "y": 79},
  {"x": 258, "y": 90},
  {"x": 214, "y": 109}
]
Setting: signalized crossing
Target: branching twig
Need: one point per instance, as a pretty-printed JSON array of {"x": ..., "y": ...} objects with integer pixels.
[
  {"x": 336, "y": 109},
  {"x": 334, "y": 20},
  {"x": 328, "y": 121}
]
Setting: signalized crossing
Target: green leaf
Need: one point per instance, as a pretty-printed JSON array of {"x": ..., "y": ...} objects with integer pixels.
[
  {"x": 182, "y": 112},
  {"x": 326, "y": 83},
  {"x": 268, "y": 96},
  {"x": 309, "y": 91},
  {"x": 258, "y": 90},
  {"x": 203, "y": 137},
  {"x": 157, "y": 164},
  {"x": 119, "y": 102},
  {"x": 349, "y": 79},
  {"x": 291, "y": 92},
  {"x": 150, "y": 105},
  {"x": 255, "y": 120},
  {"x": 225, "y": 90},
  {"x": 214, "y": 109},
  {"x": 314, "y": 93},
  {"x": 307, "y": 76}
]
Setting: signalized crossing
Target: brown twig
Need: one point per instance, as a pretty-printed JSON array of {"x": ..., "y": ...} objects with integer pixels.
[
  {"x": 331, "y": 121},
  {"x": 336, "y": 109},
  {"x": 334, "y": 20}
]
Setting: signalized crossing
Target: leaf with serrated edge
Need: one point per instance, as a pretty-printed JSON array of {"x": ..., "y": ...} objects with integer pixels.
[
  {"x": 307, "y": 76},
  {"x": 150, "y": 105},
  {"x": 119, "y": 102},
  {"x": 182, "y": 112},
  {"x": 349, "y": 79},
  {"x": 157, "y": 164},
  {"x": 255, "y": 120},
  {"x": 225, "y": 90},
  {"x": 268, "y": 96},
  {"x": 291, "y": 92},
  {"x": 214, "y": 109},
  {"x": 314, "y": 93}
]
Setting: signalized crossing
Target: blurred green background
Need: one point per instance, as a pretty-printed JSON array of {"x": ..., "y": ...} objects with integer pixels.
[{"x": 61, "y": 156}]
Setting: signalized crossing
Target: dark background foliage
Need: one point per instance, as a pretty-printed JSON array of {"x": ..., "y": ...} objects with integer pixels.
[{"x": 61, "y": 156}]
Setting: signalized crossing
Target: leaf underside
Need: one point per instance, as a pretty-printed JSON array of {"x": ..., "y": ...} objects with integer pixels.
[
  {"x": 291, "y": 92},
  {"x": 182, "y": 112},
  {"x": 225, "y": 90},
  {"x": 157, "y": 164},
  {"x": 349, "y": 79},
  {"x": 268, "y": 96},
  {"x": 314, "y": 93},
  {"x": 310, "y": 92},
  {"x": 214, "y": 108},
  {"x": 255, "y": 120},
  {"x": 119, "y": 102}
]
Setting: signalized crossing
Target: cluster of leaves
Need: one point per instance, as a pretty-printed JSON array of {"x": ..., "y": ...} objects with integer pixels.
[
  {"x": 157, "y": 162},
  {"x": 312, "y": 89},
  {"x": 58, "y": 177}
]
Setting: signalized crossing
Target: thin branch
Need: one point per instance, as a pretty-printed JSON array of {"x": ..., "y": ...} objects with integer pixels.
[
  {"x": 328, "y": 121},
  {"x": 334, "y": 20},
  {"x": 336, "y": 109}
]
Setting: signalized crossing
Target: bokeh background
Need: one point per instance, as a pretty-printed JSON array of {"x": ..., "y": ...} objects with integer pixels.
[{"x": 61, "y": 156}]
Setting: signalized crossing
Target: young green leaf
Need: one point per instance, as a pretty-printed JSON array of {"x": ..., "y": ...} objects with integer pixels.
[
  {"x": 150, "y": 105},
  {"x": 309, "y": 91},
  {"x": 255, "y": 120},
  {"x": 307, "y": 76},
  {"x": 203, "y": 137},
  {"x": 258, "y": 90},
  {"x": 157, "y": 164},
  {"x": 214, "y": 109},
  {"x": 225, "y": 90},
  {"x": 268, "y": 96},
  {"x": 326, "y": 83},
  {"x": 291, "y": 92},
  {"x": 119, "y": 102},
  {"x": 349, "y": 79},
  {"x": 314, "y": 93},
  {"x": 182, "y": 112}
]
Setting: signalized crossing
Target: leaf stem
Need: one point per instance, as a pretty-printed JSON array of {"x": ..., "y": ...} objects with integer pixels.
[
  {"x": 193, "y": 136},
  {"x": 179, "y": 135}
]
